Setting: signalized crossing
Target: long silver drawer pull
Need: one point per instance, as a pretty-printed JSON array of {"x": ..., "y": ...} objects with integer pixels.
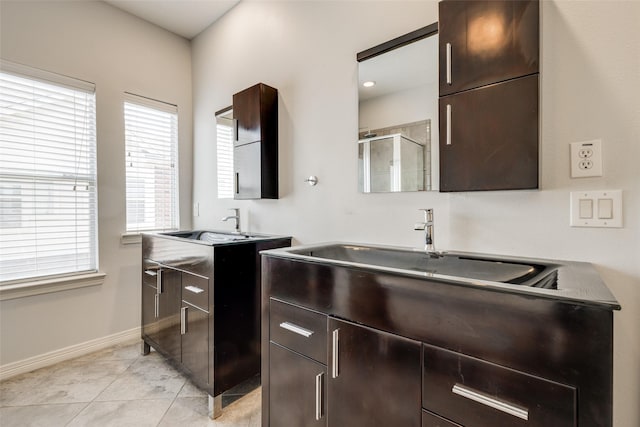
[
  {"x": 449, "y": 80},
  {"x": 334, "y": 363},
  {"x": 319, "y": 396},
  {"x": 492, "y": 402},
  {"x": 448, "y": 124},
  {"x": 151, "y": 273},
  {"x": 156, "y": 306},
  {"x": 183, "y": 320},
  {"x": 296, "y": 329},
  {"x": 194, "y": 289}
]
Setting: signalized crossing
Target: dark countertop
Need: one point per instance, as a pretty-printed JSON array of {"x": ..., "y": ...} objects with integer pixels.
[
  {"x": 192, "y": 236},
  {"x": 577, "y": 282}
]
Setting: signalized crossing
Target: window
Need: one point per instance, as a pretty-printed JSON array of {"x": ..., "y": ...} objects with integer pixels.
[
  {"x": 151, "y": 143},
  {"x": 48, "y": 202},
  {"x": 224, "y": 149}
]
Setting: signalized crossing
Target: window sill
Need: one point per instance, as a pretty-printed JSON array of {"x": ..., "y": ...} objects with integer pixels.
[
  {"x": 130, "y": 238},
  {"x": 45, "y": 286}
]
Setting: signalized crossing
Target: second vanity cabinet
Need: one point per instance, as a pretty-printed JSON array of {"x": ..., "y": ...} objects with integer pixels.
[
  {"x": 201, "y": 307},
  {"x": 350, "y": 347}
]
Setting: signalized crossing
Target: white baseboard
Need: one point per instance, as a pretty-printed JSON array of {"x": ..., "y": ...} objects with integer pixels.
[{"x": 71, "y": 352}]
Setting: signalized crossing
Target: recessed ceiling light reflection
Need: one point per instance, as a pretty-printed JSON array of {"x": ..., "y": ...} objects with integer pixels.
[{"x": 369, "y": 84}]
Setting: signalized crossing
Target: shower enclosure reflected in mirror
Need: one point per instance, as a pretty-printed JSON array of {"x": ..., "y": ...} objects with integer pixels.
[{"x": 398, "y": 114}]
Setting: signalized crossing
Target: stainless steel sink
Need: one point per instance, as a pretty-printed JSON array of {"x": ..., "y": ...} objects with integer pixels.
[{"x": 467, "y": 266}]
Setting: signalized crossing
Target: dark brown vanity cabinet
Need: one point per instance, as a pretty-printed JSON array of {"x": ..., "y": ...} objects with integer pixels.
[
  {"x": 255, "y": 154},
  {"x": 489, "y": 94},
  {"x": 395, "y": 350}
]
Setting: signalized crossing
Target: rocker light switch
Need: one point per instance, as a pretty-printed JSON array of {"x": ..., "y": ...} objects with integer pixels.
[
  {"x": 596, "y": 208},
  {"x": 586, "y": 208}
]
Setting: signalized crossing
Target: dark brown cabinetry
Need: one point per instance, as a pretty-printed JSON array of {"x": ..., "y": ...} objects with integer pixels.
[
  {"x": 471, "y": 391},
  {"x": 489, "y": 114},
  {"x": 297, "y": 358},
  {"x": 182, "y": 283},
  {"x": 374, "y": 377},
  {"x": 255, "y": 158},
  {"x": 161, "y": 308},
  {"x": 408, "y": 351}
]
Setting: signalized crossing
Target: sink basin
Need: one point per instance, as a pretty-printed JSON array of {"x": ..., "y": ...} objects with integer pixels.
[
  {"x": 210, "y": 236},
  {"x": 473, "y": 267}
]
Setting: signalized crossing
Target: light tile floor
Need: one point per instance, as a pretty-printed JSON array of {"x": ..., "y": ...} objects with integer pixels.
[{"x": 119, "y": 387}]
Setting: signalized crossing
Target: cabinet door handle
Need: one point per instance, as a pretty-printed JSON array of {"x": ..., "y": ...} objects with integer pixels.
[
  {"x": 319, "y": 396},
  {"x": 194, "y": 289},
  {"x": 296, "y": 329},
  {"x": 448, "y": 54},
  {"x": 183, "y": 320},
  {"x": 490, "y": 401},
  {"x": 156, "y": 306},
  {"x": 235, "y": 130},
  {"x": 334, "y": 362},
  {"x": 159, "y": 282},
  {"x": 237, "y": 182},
  {"x": 151, "y": 273},
  {"x": 448, "y": 124}
]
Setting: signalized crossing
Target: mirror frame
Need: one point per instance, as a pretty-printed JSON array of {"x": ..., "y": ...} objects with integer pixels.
[{"x": 403, "y": 40}]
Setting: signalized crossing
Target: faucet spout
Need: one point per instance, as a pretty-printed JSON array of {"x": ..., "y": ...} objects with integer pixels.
[{"x": 236, "y": 217}]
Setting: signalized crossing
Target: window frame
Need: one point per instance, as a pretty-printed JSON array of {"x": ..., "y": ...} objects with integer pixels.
[
  {"x": 132, "y": 234},
  {"x": 61, "y": 280}
]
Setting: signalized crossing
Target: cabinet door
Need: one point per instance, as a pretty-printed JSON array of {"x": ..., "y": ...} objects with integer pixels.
[
  {"x": 296, "y": 389},
  {"x": 489, "y": 42},
  {"x": 489, "y": 137},
  {"x": 149, "y": 312},
  {"x": 195, "y": 342},
  {"x": 247, "y": 168},
  {"x": 375, "y": 378},
  {"x": 168, "y": 333},
  {"x": 246, "y": 112}
]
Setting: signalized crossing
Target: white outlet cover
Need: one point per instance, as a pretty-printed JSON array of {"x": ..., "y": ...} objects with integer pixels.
[
  {"x": 589, "y": 152},
  {"x": 615, "y": 196}
]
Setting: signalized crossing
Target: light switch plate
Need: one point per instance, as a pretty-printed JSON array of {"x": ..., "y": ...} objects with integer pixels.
[
  {"x": 606, "y": 208},
  {"x": 586, "y": 159}
]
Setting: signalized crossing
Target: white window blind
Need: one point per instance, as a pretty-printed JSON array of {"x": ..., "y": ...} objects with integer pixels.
[
  {"x": 151, "y": 143},
  {"x": 224, "y": 148},
  {"x": 48, "y": 202}
]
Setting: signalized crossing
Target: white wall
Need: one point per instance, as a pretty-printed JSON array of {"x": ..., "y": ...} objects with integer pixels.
[
  {"x": 98, "y": 43},
  {"x": 590, "y": 86}
]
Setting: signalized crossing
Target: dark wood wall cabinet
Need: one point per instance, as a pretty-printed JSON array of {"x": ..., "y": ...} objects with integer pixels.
[
  {"x": 345, "y": 346},
  {"x": 255, "y": 154},
  {"x": 201, "y": 308},
  {"x": 489, "y": 94}
]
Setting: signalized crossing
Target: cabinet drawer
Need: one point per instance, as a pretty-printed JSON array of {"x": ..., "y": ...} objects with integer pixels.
[
  {"x": 432, "y": 420},
  {"x": 195, "y": 290},
  {"x": 299, "y": 329},
  {"x": 150, "y": 271},
  {"x": 477, "y": 393}
]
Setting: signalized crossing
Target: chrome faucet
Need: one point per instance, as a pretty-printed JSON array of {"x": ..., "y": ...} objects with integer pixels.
[
  {"x": 236, "y": 217},
  {"x": 427, "y": 227}
]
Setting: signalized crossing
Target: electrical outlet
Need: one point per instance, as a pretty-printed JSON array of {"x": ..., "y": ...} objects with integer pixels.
[{"x": 586, "y": 159}]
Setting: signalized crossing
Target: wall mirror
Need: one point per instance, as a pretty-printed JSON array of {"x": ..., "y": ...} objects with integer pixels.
[
  {"x": 224, "y": 152},
  {"x": 398, "y": 114}
]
